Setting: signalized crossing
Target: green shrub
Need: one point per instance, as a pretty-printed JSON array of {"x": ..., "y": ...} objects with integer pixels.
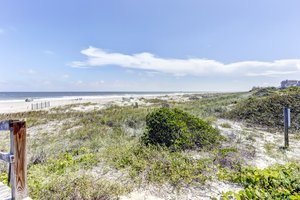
[
  {"x": 276, "y": 182},
  {"x": 260, "y": 92},
  {"x": 268, "y": 110},
  {"x": 177, "y": 129},
  {"x": 211, "y": 105}
]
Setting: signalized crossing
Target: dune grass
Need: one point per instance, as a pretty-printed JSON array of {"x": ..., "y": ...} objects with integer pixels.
[
  {"x": 267, "y": 109},
  {"x": 67, "y": 145}
]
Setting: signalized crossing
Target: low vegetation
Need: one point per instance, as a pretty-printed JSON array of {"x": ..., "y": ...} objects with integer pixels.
[
  {"x": 267, "y": 109},
  {"x": 275, "y": 182},
  {"x": 226, "y": 125},
  {"x": 261, "y": 92},
  {"x": 157, "y": 164},
  {"x": 173, "y": 143},
  {"x": 179, "y": 130}
]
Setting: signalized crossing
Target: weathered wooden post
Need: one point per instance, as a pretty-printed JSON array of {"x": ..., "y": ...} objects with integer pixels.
[
  {"x": 287, "y": 124},
  {"x": 19, "y": 139},
  {"x": 16, "y": 158}
]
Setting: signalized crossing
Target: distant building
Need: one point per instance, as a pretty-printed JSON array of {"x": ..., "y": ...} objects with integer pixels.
[{"x": 288, "y": 83}]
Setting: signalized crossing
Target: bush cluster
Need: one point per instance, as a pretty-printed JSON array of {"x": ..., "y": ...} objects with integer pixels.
[
  {"x": 261, "y": 92},
  {"x": 178, "y": 130},
  {"x": 276, "y": 182},
  {"x": 268, "y": 110}
]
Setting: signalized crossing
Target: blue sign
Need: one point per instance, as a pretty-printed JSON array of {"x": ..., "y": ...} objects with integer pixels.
[
  {"x": 289, "y": 117},
  {"x": 4, "y": 125}
]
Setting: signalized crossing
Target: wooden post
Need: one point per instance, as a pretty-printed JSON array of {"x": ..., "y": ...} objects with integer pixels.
[
  {"x": 287, "y": 124},
  {"x": 11, "y": 172},
  {"x": 19, "y": 169}
]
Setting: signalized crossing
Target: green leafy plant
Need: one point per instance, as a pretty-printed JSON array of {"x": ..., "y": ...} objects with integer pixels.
[
  {"x": 4, "y": 178},
  {"x": 268, "y": 110},
  {"x": 275, "y": 182},
  {"x": 177, "y": 129}
]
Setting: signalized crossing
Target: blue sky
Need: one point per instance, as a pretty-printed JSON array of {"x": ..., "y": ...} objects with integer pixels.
[{"x": 138, "y": 45}]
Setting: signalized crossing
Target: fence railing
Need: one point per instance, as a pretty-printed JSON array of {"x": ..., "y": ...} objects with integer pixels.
[
  {"x": 40, "y": 105},
  {"x": 16, "y": 157}
]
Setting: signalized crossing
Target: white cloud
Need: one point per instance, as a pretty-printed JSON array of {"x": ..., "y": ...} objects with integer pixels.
[
  {"x": 151, "y": 73},
  {"x": 191, "y": 66},
  {"x": 272, "y": 73}
]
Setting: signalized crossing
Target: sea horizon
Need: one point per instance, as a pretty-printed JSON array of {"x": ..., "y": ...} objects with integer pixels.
[{"x": 20, "y": 96}]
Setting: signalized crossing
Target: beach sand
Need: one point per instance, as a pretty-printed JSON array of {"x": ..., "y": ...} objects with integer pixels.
[{"x": 101, "y": 101}]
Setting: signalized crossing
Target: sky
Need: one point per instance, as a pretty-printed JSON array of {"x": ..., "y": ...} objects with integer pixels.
[{"x": 148, "y": 45}]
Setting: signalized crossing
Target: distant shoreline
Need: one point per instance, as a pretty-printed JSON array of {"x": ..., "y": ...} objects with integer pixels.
[
  {"x": 14, "y": 106},
  {"x": 46, "y": 96}
]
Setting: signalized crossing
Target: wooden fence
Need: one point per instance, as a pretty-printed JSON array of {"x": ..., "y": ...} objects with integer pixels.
[
  {"x": 40, "y": 105},
  {"x": 16, "y": 157}
]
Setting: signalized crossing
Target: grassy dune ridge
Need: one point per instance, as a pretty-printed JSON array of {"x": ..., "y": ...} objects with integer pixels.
[
  {"x": 98, "y": 154},
  {"x": 265, "y": 108}
]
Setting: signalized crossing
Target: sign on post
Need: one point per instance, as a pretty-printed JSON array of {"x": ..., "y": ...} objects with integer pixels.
[
  {"x": 289, "y": 117},
  {"x": 4, "y": 125},
  {"x": 287, "y": 124}
]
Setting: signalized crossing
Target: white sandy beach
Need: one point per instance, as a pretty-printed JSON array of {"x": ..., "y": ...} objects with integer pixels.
[{"x": 14, "y": 106}]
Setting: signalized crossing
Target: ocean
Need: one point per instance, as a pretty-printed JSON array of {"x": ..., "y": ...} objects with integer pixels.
[{"x": 21, "y": 96}]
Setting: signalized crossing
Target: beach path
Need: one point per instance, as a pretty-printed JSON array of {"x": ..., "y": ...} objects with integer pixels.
[{"x": 5, "y": 192}]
